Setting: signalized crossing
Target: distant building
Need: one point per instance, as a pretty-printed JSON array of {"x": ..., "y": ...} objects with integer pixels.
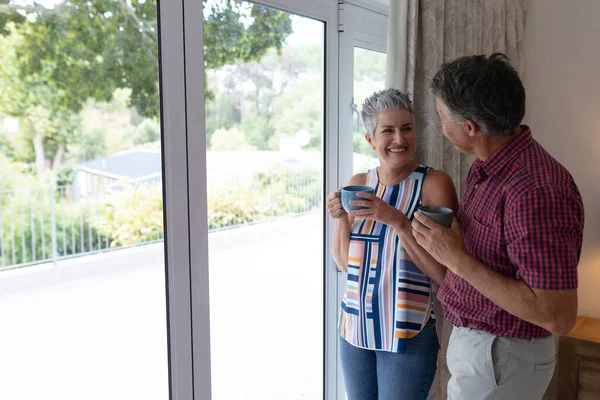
[{"x": 118, "y": 171}]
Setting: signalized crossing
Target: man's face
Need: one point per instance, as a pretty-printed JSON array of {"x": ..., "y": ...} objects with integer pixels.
[{"x": 456, "y": 132}]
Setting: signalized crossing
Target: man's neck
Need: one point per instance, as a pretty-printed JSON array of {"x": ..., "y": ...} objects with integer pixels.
[{"x": 488, "y": 145}]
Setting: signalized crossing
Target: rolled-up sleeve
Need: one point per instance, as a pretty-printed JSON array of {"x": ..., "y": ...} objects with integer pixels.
[{"x": 544, "y": 234}]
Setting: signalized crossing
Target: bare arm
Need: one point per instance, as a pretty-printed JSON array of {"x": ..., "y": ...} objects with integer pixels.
[
  {"x": 545, "y": 250},
  {"x": 438, "y": 190},
  {"x": 343, "y": 227},
  {"x": 553, "y": 310},
  {"x": 341, "y": 243}
]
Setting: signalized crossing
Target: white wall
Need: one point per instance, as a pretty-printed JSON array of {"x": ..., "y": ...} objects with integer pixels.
[{"x": 562, "y": 79}]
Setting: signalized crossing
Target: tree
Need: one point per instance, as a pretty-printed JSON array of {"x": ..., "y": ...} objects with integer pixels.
[
  {"x": 92, "y": 145},
  {"x": 300, "y": 108},
  {"x": 36, "y": 101},
  {"x": 56, "y": 59},
  {"x": 258, "y": 130},
  {"x": 229, "y": 140},
  {"x": 246, "y": 93},
  {"x": 109, "y": 44},
  {"x": 6, "y": 147},
  {"x": 9, "y": 13},
  {"x": 148, "y": 131}
]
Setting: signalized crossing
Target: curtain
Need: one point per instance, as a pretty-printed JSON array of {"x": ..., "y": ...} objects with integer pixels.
[{"x": 396, "y": 54}]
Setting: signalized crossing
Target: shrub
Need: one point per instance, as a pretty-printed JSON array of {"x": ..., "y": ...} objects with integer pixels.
[
  {"x": 235, "y": 205},
  {"x": 132, "y": 217},
  {"x": 26, "y": 228},
  {"x": 292, "y": 191}
]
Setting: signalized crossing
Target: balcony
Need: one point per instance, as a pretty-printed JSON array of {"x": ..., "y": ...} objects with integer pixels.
[{"x": 94, "y": 327}]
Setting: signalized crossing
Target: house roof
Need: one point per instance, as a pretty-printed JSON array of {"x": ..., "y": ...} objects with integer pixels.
[{"x": 132, "y": 164}]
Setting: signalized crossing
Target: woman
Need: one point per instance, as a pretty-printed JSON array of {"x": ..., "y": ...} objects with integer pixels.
[{"x": 388, "y": 345}]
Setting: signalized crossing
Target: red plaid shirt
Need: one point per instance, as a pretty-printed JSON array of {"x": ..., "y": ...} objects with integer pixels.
[{"x": 521, "y": 215}]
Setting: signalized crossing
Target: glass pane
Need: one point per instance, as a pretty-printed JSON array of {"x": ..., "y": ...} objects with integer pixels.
[
  {"x": 82, "y": 280},
  {"x": 369, "y": 76},
  {"x": 264, "y": 123}
]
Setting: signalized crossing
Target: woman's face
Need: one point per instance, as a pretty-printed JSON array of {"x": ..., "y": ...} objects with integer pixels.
[{"x": 394, "y": 139}]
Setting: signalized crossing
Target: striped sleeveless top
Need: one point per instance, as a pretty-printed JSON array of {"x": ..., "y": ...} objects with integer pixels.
[{"x": 387, "y": 299}]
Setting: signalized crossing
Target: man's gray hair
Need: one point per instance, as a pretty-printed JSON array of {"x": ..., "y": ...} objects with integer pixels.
[
  {"x": 486, "y": 90},
  {"x": 388, "y": 99}
]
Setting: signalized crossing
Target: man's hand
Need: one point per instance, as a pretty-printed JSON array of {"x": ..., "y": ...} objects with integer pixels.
[
  {"x": 378, "y": 210},
  {"x": 443, "y": 244}
]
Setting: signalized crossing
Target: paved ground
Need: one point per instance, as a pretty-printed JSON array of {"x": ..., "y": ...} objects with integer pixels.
[{"x": 103, "y": 335}]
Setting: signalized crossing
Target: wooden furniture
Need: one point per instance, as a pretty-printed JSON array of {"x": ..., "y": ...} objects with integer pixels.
[{"x": 578, "y": 368}]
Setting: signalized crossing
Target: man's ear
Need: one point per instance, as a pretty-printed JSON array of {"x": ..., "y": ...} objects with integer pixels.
[
  {"x": 471, "y": 128},
  {"x": 370, "y": 140}
]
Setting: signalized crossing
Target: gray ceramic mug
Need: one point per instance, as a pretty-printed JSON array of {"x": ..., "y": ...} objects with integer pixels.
[{"x": 441, "y": 215}]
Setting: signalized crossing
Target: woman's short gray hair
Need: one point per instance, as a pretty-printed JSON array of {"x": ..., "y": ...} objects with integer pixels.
[{"x": 384, "y": 100}]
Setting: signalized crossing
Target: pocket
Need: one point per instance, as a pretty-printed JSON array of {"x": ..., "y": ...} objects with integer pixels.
[
  {"x": 546, "y": 364},
  {"x": 494, "y": 361}
]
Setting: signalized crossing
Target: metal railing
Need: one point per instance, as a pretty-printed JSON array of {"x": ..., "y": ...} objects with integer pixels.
[{"x": 49, "y": 224}]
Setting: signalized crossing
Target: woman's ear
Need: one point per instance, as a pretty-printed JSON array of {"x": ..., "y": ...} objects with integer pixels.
[{"x": 370, "y": 140}]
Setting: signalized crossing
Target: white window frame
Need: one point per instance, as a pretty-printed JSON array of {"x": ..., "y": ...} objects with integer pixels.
[
  {"x": 182, "y": 84},
  {"x": 362, "y": 24},
  {"x": 183, "y": 127},
  {"x": 186, "y": 276}
]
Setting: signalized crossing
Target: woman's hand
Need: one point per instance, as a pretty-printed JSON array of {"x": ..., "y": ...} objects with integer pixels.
[
  {"x": 334, "y": 206},
  {"x": 380, "y": 211}
]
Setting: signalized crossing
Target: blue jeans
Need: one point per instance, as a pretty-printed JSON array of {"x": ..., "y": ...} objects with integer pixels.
[{"x": 381, "y": 375}]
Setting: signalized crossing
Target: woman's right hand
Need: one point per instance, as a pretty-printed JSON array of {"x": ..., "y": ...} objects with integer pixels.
[{"x": 334, "y": 206}]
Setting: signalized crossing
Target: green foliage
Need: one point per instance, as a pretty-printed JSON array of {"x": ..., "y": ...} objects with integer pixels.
[
  {"x": 268, "y": 195},
  {"x": 12, "y": 176},
  {"x": 258, "y": 130},
  {"x": 228, "y": 140},
  {"x": 361, "y": 145},
  {"x": 235, "y": 30},
  {"x": 6, "y": 147},
  {"x": 291, "y": 191},
  {"x": 235, "y": 205},
  {"x": 36, "y": 100},
  {"x": 221, "y": 114},
  {"x": 148, "y": 131},
  {"x": 88, "y": 49},
  {"x": 257, "y": 95},
  {"x": 55, "y": 60},
  {"x": 370, "y": 66},
  {"x": 92, "y": 145},
  {"x": 300, "y": 108},
  {"x": 27, "y": 229},
  {"x": 134, "y": 216},
  {"x": 114, "y": 118},
  {"x": 66, "y": 176},
  {"x": 23, "y": 145},
  {"x": 8, "y": 17}
]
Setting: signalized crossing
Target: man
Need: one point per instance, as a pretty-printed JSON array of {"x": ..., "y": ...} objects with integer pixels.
[{"x": 512, "y": 254}]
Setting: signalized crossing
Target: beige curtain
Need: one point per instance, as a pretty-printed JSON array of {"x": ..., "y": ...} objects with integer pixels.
[
  {"x": 438, "y": 31},
  {"x": 396, "y": 54}
]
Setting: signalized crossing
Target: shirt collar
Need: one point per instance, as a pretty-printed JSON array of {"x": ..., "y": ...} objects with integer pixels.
[{"x": 494, "y": 164}]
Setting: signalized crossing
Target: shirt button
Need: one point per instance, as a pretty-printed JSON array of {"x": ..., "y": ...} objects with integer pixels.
[{"x": 476, "y": 186}]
